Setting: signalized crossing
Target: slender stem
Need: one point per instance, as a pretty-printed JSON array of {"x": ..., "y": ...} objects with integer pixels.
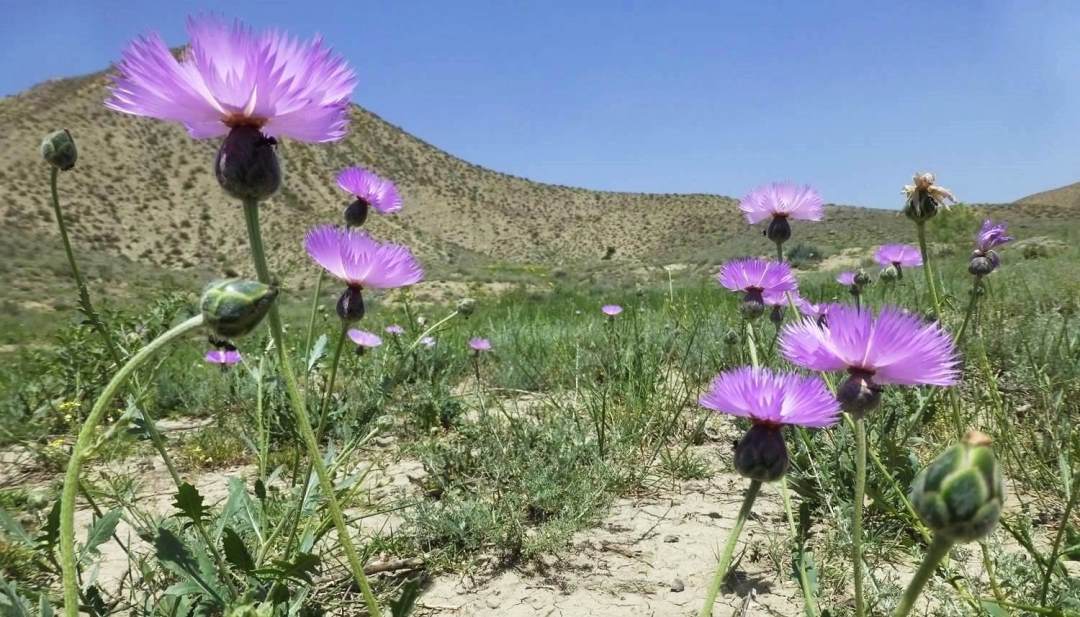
[
  {"x": 82, "y": 444},
  {"x": 928, "y": 271},
  {"x": 303, "y": 423},
  {"x": 84, "y": 293},
  {"x": 780, "y": 251},
  {"x": 809, "y": 604},
  {"x": 937, "y": 551},
  {"x": 988, "y": 564},
  {"x": 1045, "y": 589},
  {"x": 857, "y": 515},
  {"x": 729, "y": 548},
  {"x": 970, "y": 309},
  {"x": 314, "y": 309},
  {"x": 428, "y": 332},
  {"x": 751, "y": 345},
  {"x": 264, "y": 426}
]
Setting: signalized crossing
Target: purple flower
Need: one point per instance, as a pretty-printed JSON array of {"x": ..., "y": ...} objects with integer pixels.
[
  {"x": 224, "y": 357},
  {"x": 782, "y": 200},
  {"x": 395, "y": 329},
  {"x": 478, "y": 344},
  {"x": 895, "y": 347},
  {"x": 991, "y": 236},
  {"x": 772, "y": 398},
  {"x": 355, "y": 258},
  {"x": 427, "y": 341},
  {"x": 809, "y": 309},
  {"x": 370, "y": 188},
  {"x": 611, "y": 310},
  {"x": 900, "y": 255},
  {"x": 231, "y": 77},
  {"x": 761, "y": 282},
  {"x": 846, "y": 278},
  {"x": 363, "y": 338}
]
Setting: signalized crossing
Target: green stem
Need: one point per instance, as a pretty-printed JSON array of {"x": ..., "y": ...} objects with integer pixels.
[
  {"x": 988, "y": 565},
  {"x": 433, "y": 328},
  {"x": 1045, "y": 588},
  {"x": 82, "y": 444},
  {"x": 729, "y": 548},
  {"x": 857, "y": 515},
  {"x": 84, "y": 293},
  {"x": 751, "y": 345},
  {"x": 809, "y": 604},
  {"x": 928, "y": 271},
  {"x": 303, "y": 423},
  {"x": 263, "y": 425},
  {"x": 780, "y": 252},
  {"x": 314, "y": 309},
  {"x": 937, "y": 551},
  {"x": 970, "y": 310}
]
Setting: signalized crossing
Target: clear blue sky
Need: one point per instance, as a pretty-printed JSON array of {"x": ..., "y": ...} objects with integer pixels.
[{"x": 670, "y": 96}]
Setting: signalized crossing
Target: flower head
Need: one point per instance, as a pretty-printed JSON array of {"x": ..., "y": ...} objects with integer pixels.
[
  {"x": 355, "y": 258},
  {"x": 224, "y": 357},
  {"x": 900, "y": 255},
  {"x": 363, "y": 338},
  {"x": 761, "y": 282},
  {"x": 991, "y": 236},
  {"x": 784, "y": 200},
  {"x": 395, "y": 329},
  {"x": 478, "y": 344},
  {"x": 895, "y": 347},
  {"x": 427, "y": 341},
  {"x": 924, "y": 198},
  {"x": 846, "y": 278},
  {"x": 371, "y": 189},
  {"x": 611, "y": 310},
  {"x": 772, "y": 398},
  {"x": 230, "y": 77}
]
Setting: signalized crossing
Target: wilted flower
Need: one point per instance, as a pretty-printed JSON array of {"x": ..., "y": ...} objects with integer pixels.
[
  {"x": 960, "y": 494},
  {"x": 770, "y": 400},
  {"x": 224, "y": 357},
  {"x": 781, "y": 201},
  {"x": 761, "y": 282},
  {"x": 478, "y": 344},
  {"x": 364, "y": 339},
  {"x": 894, "y": 347},
  {"x": 395, "y": 329},
  {"x": 251, "y": 87},
  {"x": 984, "y": 259},
  {"x": 370, "y": 191},
  {"x": 353, "y": 257},
  {"x": 611, "y": 310},
  {"x": 924, "y": 198}
]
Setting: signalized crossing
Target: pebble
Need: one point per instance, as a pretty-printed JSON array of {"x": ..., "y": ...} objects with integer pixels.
[
  {"x": 677, "y": 585},
  {"x": 671, "y": 538}
]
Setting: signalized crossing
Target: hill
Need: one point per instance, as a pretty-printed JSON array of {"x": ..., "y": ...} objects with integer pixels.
[{"x": 1066, "y": 196}]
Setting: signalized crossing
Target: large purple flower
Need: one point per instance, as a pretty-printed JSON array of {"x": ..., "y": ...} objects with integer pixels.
[
  {"x": 370, "y": 189},
  {"x": 894, "y": 347},
  {"x": 761, "y": 282},
  {"x": 232, "y": 77},
  {"x": 984, "y": 259},
  {"x": 782, "y": 200},
  {"x": 899, "y": 255},
  {"x": 773, "y": 398}
]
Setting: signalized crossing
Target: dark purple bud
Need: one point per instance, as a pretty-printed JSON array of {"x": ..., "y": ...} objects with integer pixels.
[
  {"x": 350, "y": 306},
  {"x": 776, "y": 315},
  {"x": 859, "y": 394},
  {"x": 356, "y": 213},
  {"x": 247, "y": 164},
  {"x": 779, "y": 230},
  {"x": 753, "y": 304},
  {"x": 981, "y": 265},
  {"x": 762, "y": 454}
]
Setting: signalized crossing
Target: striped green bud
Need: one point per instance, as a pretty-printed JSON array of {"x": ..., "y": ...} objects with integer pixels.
[
  {"x": 233, "y": 307},
  {"x": 58, "y": 149},
  {"x": 960, "y": 493}
]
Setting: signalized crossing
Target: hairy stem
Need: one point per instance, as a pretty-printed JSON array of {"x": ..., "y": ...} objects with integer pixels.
[
  {"x": 937, "y": 551},
  {"x": 82, "y": 444},
  {"x": 729, "y": 548},
  {"x": 314, "y": 309},
  {"x": 857, "y": 515},
  {"x": 1075, "y": 494},
  {"x": 809, "y": 605},
  {"x": 303, "y": 423}
]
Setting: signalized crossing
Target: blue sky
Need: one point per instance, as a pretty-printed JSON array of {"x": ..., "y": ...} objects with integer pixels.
[{"x": 671, "y": 96}]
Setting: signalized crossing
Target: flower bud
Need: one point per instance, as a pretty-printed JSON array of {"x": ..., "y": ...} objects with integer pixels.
[
  {"x": 247, "y": 164},
  {"x": 779, "y": 230},
  {"x": 981, "y": 265},
  {"x": 58, "y": 149},
  {"x": 753, "y": 304},
  {"x": 921, "y": 206},
  {"x": 233, "y": 307},
  {"x": 776, "y": 315},
  {"x": 731, "y": 337},
  {"x": 762, "y": 454},
  {"x": 858, "y": 394},
  {"x": 892, "y": 273},
  {"x": 350, "y": 306},
  {"x": 356, "y": 213},
  {"x": 960, "y": 493},
  {"x": 862, "y": 279},
  {"x": 466, "y": 306}
]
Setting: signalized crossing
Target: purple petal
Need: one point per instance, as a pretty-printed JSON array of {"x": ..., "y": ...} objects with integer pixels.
[{"x": 771, "y": 397}]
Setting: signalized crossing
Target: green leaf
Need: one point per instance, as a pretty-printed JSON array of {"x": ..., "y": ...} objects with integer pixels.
[
  {"x": 99, "y": 532},
  {"x": 403, "y": 605},
  {"x": 303, "y": 568},
  {"x": 190, "y": 503},
  {"x": 13, "y": 529},
  {"x": 236, "y": 551},
  {"x": 175, "y": 556},
  {"x": 50, "y": 533},
  {"x": 318, "y": 350},
  {"x": 44, "y": 608},
  {"x": 994, "y": 609}
]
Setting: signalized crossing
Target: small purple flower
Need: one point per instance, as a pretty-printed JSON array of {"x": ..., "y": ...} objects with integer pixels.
[
  {"x": 809, "y": 309},
  {"x": 611, "y": 310},
  {"x": 846, "y": 279},
  {"x": 984, "y": 259},
  {"x": 363, "y": 338},
  {"x": 427, "y": 341},
  {"x": 899, "y": 255},
  {"x": 395, "y": 330},
  {"x": 761, "y": 282},
  {"x": 231, "y": 77},
  {"x": 478, "y": 344},
  {"x": 370, "y": 188},
  {"x": 224, "y": 357},
  {"x": 782, "y": 200},
  {"x": 355, "y": 258},
  {"x": 772, "y": 398},
  {"x": 895, "y": 347}
]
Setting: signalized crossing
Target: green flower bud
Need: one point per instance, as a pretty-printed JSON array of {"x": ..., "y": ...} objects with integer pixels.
[
  {"x": 753, "y": 304},
  {"x": 762, "y": 454},
  {"x": 892, "y": 273},
  {"x": 58, "y": 149},
  {"x": 466, "y": 306},
  {"x": 960, "y": 493},
  {"x": 233, "y": 307}
]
